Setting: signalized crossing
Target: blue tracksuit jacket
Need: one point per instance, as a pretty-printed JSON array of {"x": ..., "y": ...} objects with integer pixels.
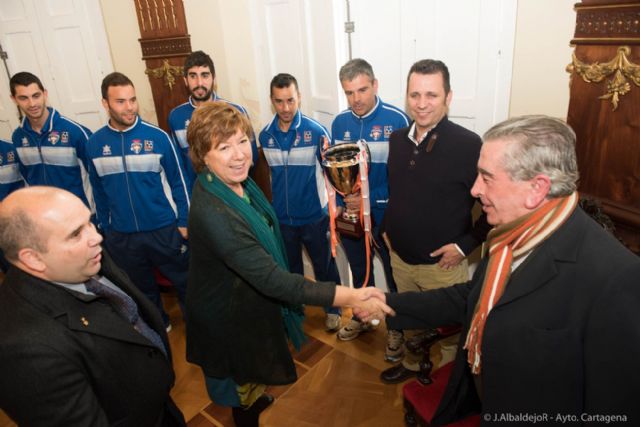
[
  {"x": 138, "y": 179},
  {"x": 375, "y": 128},
  {"x": 297, "y": 183},
  {"x": 56, "y": 155},
  {"x": 10, "y": 177}
]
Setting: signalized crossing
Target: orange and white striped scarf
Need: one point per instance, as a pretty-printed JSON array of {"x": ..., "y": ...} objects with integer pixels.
[{"x": 506, "y": 243}]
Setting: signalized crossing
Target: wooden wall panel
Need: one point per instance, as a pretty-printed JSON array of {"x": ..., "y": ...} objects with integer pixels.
[
  {"x": 606, "y": 120},
  {"x": 165, "y": 44}
]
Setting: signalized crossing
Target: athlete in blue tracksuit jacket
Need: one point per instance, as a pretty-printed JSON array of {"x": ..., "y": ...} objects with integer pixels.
[
  {"x": 179, "y": 119},
  {"x": 138, "y": 179},
  {"x": 374, "y": 127},
  {"x": 56, "y": 155},
  {"x": 141, "y": 198},
  {"x": 10, "y": 179},
  {"x": 299, "y": 193},
  {"x": 297, "y": 181}
]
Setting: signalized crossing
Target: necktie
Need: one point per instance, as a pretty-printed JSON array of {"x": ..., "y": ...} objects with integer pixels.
[{"x": 126, "y": 307}]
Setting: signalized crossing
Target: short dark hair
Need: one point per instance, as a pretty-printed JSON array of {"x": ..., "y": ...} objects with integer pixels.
[
  {"x": 283, "y": 80},
  {"x": 114, "y": 79},
  {"x": 431, "y": 66},
  {"x": 24, "y": 78},
  {"x": 199, "y": 59}
]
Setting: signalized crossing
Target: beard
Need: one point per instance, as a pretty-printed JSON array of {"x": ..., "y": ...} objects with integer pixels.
[
  {"x": 120, "y": 120},
  {"x": 205, "y": 97}
]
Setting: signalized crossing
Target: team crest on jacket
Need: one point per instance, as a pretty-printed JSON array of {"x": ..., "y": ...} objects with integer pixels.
[
  {"x": 297, "y": 140},
  {"x": 25, "y": 141},
  {"x": 148, "y": 145},
  {"x": 347, "y": 136},
  {"x": 54, "y": 137},
  {"x": 307, "y": 136},
  {"x": 106, "y": 150},
  {"x": 11, "y": 157},
  {"x": 64, "y": 137},
  {"x": 388, "y": 130},
  {"x": 136, "y": 146},
  {"x": 376, "y": 132},
  {"x": 271, "y": 143}
]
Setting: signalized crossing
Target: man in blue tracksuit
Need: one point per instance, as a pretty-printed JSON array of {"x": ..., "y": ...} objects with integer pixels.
[
  {"x": 199, "y": 77},
  {"x": 372, "y": 120},
  {"x": 10, "y": 180},
  {"x": 141, "y": 193},
  {"x": 291, "y": 143},
  {"x": 10, "y": 177},
  {"x": 50, "y": 147}
]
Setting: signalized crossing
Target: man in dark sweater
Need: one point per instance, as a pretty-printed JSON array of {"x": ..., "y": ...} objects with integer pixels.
[{"x": 428, "y": 224}]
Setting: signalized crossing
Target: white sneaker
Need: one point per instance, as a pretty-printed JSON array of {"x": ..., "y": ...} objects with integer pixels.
[
  {"x": 353, "y": 329},
  {"x": 332, "y": 322}
]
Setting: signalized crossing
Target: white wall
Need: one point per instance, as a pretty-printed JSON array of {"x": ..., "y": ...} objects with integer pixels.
[
  {"x": 540, "y": 84},
  {"x": 123, "y": 34},
  {"x": 223, "y": 30}
]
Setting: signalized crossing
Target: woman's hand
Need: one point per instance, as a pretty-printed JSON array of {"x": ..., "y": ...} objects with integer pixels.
[{"x": 371, "y": 304}]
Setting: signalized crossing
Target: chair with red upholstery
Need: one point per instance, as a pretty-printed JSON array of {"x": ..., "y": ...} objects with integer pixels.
[{"x": 423, "y": 395}]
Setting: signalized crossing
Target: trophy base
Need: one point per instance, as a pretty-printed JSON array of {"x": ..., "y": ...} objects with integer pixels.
[{"x": 349, "y": 228}]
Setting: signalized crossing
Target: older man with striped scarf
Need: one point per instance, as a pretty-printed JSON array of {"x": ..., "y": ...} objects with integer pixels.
[{"x": 550, "y": 320}]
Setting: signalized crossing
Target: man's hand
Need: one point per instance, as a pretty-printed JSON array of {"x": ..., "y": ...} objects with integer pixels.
[
  {"x": 353, "y": 201},
  {"x": 370, "y": 304},
  {"x": 451, "y": 256},
  {"x": 183, "y": 232}
]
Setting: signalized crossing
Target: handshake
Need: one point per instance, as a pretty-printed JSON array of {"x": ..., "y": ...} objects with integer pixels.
[{"x": 369, "y": 304}]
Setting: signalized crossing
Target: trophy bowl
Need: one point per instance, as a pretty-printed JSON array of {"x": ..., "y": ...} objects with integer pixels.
[{"x": 341, "y": 166}]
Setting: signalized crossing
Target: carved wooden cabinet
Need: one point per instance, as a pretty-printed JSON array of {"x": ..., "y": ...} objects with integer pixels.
[
  {"x": 165, "y": 44},
  {"x": 604, "y": 109}
]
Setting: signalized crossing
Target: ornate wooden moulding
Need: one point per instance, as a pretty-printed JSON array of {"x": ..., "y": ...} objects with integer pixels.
[{"x": 604, "y": 109}]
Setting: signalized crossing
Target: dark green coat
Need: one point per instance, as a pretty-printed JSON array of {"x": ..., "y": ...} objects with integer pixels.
[{"x": 234, "y": 321}]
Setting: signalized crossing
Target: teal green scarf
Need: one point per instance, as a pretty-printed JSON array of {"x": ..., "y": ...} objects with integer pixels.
[{"x": 269, "y": 237}]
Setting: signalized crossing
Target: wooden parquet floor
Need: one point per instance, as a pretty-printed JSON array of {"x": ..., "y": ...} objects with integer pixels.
[{"x": 338, "y": 382}]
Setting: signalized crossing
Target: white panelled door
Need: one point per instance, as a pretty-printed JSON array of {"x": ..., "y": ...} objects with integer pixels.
[
  {"x": 473, "y": 37},
  {"x": 299, "y": 37},
  {"x": 64, "y": 43}
]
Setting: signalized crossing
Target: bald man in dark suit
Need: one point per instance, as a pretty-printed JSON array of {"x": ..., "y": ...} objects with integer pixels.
[{"x": 71, "y": 354}]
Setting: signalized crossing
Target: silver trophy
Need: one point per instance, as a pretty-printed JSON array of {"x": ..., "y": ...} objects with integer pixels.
[{"x": 341, "y": 164}]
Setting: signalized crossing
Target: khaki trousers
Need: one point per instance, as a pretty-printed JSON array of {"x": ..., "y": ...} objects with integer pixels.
[{"x": 423, "y": 277}]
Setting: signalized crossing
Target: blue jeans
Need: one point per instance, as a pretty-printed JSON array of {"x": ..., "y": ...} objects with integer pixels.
[
  {"x": 314, "y": 238},
  {"x": 138, "y": 253}
]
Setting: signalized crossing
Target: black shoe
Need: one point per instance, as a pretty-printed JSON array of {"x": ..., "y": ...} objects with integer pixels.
[
  {"x": 397, "y": 374},
  {"x": 262, "y": 403},
  {"x": 249, "y": 417}
]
